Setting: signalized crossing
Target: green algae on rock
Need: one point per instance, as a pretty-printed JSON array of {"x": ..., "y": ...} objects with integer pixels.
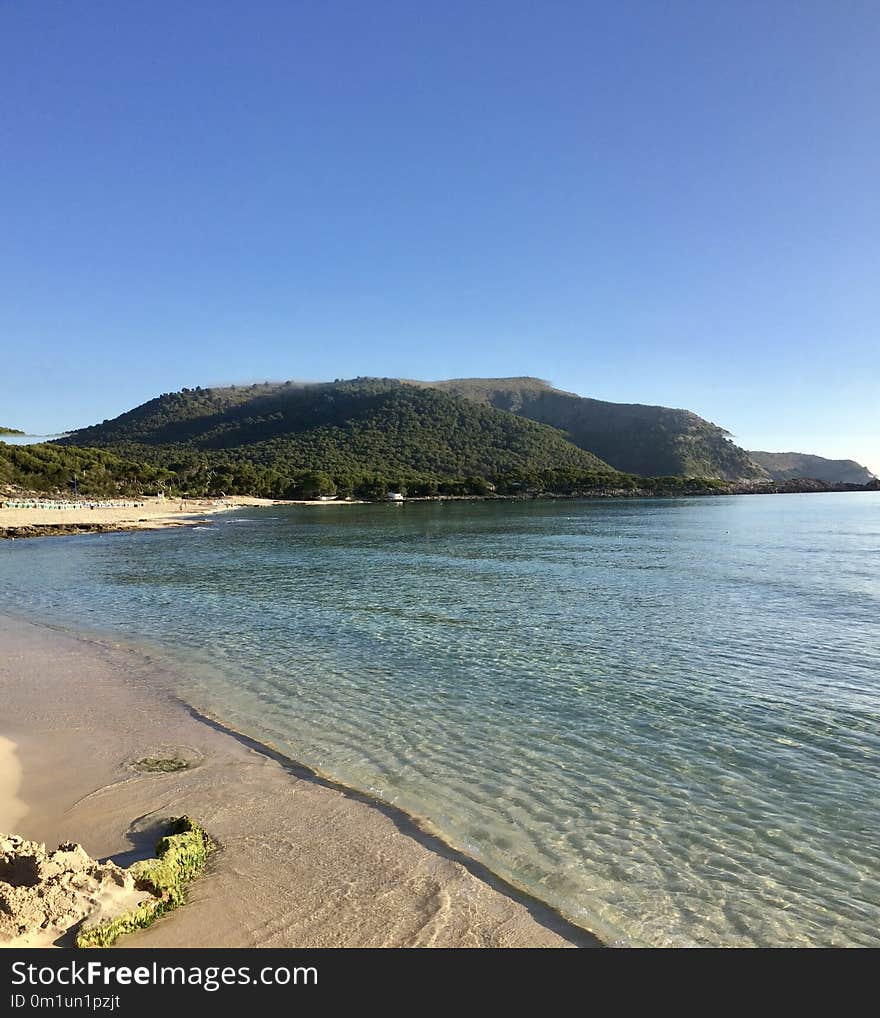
[
  {"x": 180, "y": 857},
  {"x": 160, "y": 765}
]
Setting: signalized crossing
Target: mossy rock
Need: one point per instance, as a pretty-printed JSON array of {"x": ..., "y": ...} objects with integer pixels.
[
  {"x": 160, "y": 765},
  {"x": 180, "y": 857}
]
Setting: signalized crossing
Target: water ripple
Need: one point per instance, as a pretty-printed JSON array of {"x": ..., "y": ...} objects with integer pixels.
[{"x": 659, "y": 716}]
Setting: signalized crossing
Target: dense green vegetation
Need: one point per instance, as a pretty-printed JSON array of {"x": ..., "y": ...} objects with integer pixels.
[
  {"x": 362, "y": 438},
  {"x": 356, "y": 437},
  {"x": 646, "y": 440},
  {"x": 51, "y": 468},
  {"x": 366, "y": 437},
  {"x": 10, "y": 431}
]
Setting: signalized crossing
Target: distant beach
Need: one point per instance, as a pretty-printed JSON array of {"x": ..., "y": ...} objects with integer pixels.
[{"x": 103, "y": 516}]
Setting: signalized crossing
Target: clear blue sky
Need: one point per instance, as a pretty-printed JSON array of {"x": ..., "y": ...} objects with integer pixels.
[{"x": 672, "y": 203}]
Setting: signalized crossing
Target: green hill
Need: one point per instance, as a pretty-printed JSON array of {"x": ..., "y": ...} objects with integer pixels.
[
  {"x": 10, "y": 431},
  {"x": 265, "y": 437},
  {"x": 367, "y": 435},
  {"x": 637, "y": 439},
  {"x": 787, "y": 466}
]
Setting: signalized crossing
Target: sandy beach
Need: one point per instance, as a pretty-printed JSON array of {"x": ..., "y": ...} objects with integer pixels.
[
  {"x": 301, "y": 862},
  {"x": 147, "y": 514},
  {"x": 150, "y": 513}
]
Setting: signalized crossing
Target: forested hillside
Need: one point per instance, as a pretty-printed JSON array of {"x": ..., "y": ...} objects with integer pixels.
[
  {"x": 648, "y": 440},
  {"x": 51, "y": 468},
  {"x": 367, "y": 436},
  {"x": 343, "y": 436}
]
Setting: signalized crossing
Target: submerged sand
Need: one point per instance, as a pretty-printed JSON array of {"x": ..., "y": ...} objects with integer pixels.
[{"x": 107, "y": 757}]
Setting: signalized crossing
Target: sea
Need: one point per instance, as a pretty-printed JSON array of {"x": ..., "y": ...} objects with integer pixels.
[{"x": 658, "y": 716}]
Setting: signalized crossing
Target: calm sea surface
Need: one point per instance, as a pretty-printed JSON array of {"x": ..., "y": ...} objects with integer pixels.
[{"x": 659, "y": 716}]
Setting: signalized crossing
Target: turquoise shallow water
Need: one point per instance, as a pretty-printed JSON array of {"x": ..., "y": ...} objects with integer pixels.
[{"x": 659, "y": 716}]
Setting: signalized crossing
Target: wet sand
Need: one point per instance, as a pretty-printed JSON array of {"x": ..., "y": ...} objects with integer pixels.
[{"x": 302, "y": 862}]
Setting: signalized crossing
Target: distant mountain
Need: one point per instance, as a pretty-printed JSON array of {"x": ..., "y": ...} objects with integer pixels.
[
  {"x": 345, "y": 429},
  {"x": 637, "y": 439},
  {"x": 786, "y": 466},
  {"x": 10, "y": 431}
]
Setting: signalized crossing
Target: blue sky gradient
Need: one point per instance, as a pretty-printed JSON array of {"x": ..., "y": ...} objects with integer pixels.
[{"x": 671, "y": 203}]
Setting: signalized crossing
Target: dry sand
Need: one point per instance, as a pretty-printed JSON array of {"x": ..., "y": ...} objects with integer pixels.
[{"x": 301, "y": 863}]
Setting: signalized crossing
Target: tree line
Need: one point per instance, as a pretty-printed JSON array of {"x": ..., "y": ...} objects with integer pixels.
[{"x": 51, "y": 468}]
